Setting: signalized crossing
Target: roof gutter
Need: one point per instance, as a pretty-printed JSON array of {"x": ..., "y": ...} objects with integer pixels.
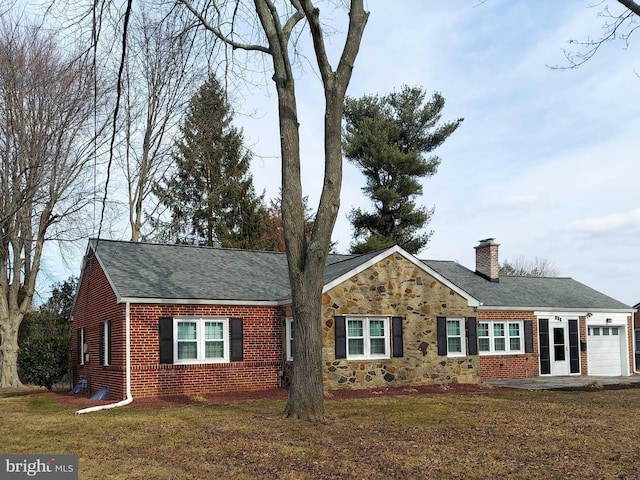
[
  {"x": 583, "y": 310},
  {"x": 129, "y": 398}
]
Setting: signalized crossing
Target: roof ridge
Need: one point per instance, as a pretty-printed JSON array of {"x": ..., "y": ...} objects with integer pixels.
[{"x": 184, "y": 245}]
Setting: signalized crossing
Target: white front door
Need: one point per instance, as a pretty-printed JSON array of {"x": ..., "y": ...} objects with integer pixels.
[{"x": 559, "y": 340}]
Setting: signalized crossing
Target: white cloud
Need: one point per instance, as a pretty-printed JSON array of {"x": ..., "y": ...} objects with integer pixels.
[{"x": 608, "y": 223}]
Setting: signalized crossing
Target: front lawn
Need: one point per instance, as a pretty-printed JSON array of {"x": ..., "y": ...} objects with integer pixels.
[{"x": 497, "y": 434}]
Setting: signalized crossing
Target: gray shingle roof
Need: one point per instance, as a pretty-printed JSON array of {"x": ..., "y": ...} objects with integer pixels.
[
  {"x": 155, "y": 271},
  {"x": 526, "y": 292},
  {"x": 185, "y": 272}
]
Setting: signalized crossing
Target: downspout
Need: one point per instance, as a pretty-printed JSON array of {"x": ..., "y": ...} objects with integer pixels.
[{"x": 128, "y": 398}]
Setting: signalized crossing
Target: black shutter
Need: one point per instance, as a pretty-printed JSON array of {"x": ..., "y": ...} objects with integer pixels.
[
  {"x": 574, "y": 347},
  {"x": 528, "y": 336},
  {"x": 102, "y": 333},
  {"x": 236, "y": 340},
  {"x": 109, "y": 337},
  {"x": 472, "y": 336},
  {"x": 442, "y": 335},
  {"x": 79, "y": 342},
  {"x": 340, "y": 336},
  {"x": 166, "y": 339},
  {"x": 543, "y": 346},
  {"x": 396, "y": 332}
]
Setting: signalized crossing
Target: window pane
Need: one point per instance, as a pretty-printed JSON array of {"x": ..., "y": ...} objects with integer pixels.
[
  {"x": 614, "y": 330},
  {"x": 356, "y": 346},
  {"x": 483, "y": 329},
  {"x": 354, "y": 328},
  {"x": 499, "y": 345},
  {"x": 453, "y": 327},
  {"x": 187, "y": 350},
  {"x": 376, "y": 328},
  {"x": 214, "y": 350},
  {"x": 377, "y": 346},
  {"x": 484, "y": 345},
  {"x": 213, "y": 331},
  {"x": 514, "y": 329},
  {"x": 605, "y": 331},
  {"x": 186, "y": 330},
  {"x": 454, "y": 345},
  {"x": 498, "y": 329},
  {"x": 596, "y": 331},
  {"x": 514, "y": 344}
]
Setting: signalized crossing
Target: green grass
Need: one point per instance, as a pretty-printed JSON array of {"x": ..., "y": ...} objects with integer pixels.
[{"x": 498, "y": 434}]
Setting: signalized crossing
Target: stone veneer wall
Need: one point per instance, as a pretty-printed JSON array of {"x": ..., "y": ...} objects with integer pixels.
[{"x": 396, "y": 287}]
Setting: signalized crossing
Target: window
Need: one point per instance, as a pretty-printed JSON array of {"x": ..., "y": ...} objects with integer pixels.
[
  {"x": 637, "y": 341},
  {"x": 500, "y": 337},
  {"x": 289, "y": 339},
  {"x": 368, "y": 337},
  {"x": 201, "y": 340},
  {"x": 105, "y": 343},
  {"x": 83, "y": 347},
  {"x": 455, "y": 338}
]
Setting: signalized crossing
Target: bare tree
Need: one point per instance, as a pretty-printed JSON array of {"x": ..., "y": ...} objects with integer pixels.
[
  {"x": 47, "y": 114},
  {"x": 306, "y": 256},
  {"x": 521, "y": 267},
  {"x": 616, "y": 26},
  {"x": 161, "y": 72}
]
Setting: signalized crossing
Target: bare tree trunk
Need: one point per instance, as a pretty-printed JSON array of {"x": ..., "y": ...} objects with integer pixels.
[
  {"x": 307, "y": 258},
  {"x": 9, "y": 352}
]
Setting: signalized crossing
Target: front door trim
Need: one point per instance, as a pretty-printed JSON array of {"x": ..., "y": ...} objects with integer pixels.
[{"x": 558, "y": 342}]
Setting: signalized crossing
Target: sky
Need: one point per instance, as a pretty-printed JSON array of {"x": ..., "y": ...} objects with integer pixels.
[{"x": 546, "y": 159}]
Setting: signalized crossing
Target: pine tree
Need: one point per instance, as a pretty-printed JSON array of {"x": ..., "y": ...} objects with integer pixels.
[
  {"x": 387, "y": 138},
  {"x": 211, "y": 197}
]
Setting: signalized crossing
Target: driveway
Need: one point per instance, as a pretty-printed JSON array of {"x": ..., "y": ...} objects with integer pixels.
[{"x": 572, "y": 382}]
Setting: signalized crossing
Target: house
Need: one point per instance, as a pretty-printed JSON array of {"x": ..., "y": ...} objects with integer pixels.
[
  {"x": 569, "y": 328},
  {"x": 155, "y": 320}
]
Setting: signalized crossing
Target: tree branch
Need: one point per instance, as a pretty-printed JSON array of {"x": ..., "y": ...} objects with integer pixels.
[
  {"x": 221, "y": 36},
  {"x": 631, "y": 5}
]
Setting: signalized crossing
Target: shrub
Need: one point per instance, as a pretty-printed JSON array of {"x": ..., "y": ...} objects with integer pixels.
[{"x": 43, "y": 360}]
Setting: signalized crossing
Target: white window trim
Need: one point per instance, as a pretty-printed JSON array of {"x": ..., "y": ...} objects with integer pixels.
[
  {"x": 463, "y": 337},
  {"x": 200, "y": 339},
  {"x": 507, "y": 337},
  {"x": 367, "y": 355},
  {"x": 289, "y": 338}
]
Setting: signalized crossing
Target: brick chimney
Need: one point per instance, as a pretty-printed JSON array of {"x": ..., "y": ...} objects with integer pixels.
[{"x": 487, "y": 260}]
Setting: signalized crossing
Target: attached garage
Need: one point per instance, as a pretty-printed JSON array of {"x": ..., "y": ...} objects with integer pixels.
[{"x": 605, "y": 355}]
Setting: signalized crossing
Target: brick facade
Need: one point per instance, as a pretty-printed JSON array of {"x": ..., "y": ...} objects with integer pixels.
[
  {"x": 96, "y": 302},
  {"x": 259, "y": 369},
  {"x": 520, "y": 365}
]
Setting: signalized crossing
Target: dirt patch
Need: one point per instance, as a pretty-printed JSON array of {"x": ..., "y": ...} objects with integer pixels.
[{"x": 81, "y": 401}]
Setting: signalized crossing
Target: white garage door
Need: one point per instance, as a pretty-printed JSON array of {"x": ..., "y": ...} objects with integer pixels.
[{"x": 603, "y": 351}]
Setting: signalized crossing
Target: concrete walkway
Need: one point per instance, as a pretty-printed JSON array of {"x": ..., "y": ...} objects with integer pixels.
[{"x": 573, "y": 382}]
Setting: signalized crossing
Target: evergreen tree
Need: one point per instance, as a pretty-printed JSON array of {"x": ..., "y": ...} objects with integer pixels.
[
  {"x": 387, "y": 138},
  {"x": 211, "y": 197},
  {"x": 52, "y": 318}
]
